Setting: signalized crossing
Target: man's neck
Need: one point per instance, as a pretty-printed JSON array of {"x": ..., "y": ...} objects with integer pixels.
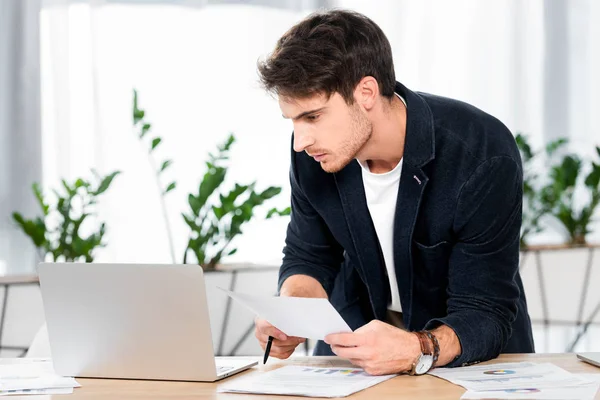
[{"x": 385, "y": 148}]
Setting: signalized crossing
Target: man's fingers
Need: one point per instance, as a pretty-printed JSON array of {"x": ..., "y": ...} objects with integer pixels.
[
  {"x": 344, "y": 339},
  {"x": 290, "y": 341},
  {"x": 282, "y": 349},
  {"x": 282, "y": 355},
  {"x": 349, "y": 352},
  {"x": 267, "y": 329},
  {"x": 283, "y": 346}
]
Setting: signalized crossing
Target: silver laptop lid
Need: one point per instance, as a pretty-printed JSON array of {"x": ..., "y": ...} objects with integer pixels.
[
  {"x": 591, "y": 358},
  {"x": 128, "y": 321}
]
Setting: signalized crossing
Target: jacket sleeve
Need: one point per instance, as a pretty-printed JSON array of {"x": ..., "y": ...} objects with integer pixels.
[
  {"x": 482, "y": 292},
  {"x": 310, "y": 248}
]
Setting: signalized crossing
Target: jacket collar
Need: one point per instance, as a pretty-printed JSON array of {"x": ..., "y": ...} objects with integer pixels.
[{"x": 419, "y": 146}]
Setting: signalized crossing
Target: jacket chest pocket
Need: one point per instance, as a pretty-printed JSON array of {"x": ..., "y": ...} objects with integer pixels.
[{"x": 431, "y": 263}]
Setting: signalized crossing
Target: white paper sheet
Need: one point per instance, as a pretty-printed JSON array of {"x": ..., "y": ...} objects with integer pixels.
[
  {"x": 305, "y": 381},
  {"x": 509, "y": 376},
  {"x": 295, "y": 316},
  {"x": 32, "y": 375},
  {"x": 36, "y": 392},
  {"x": 585, "y": 391}
]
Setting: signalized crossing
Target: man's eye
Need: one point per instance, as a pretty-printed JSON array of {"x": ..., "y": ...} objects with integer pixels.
[{"x": 312, "y": 117}]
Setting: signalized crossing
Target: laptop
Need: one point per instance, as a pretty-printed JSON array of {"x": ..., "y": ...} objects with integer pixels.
[
  {"x": 131, "y": 321},
  {"x": 591, "y": 358}
]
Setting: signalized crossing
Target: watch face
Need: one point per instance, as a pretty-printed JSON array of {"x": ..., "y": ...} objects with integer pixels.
[{"x": 424, "y": 364}]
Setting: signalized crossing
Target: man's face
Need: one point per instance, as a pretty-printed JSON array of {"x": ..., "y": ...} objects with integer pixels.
[{"x": 328, "y": 130}]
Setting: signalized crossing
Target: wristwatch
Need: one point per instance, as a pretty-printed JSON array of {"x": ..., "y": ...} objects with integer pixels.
[{"x": 428, "y": 356}]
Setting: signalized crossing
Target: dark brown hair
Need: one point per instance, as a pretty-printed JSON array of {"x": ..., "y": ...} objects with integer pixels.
[{"x": 329, "y": 52}]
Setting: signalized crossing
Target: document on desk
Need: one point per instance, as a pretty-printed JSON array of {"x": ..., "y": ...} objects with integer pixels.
[
  {"x": 509, "y": 376},
  {"x": 33, "y": 377},
  {"x": 297, "y": 380},
  {"x": 585, "y": 391},
  {"x": 295, "y": 316},
  {"x": 36, "y": 392}
]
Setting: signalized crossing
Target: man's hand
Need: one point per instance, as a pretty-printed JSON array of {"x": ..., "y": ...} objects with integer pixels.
[
  {"x": 377, "y": 347},
  {"x": 283, "y": 346}
]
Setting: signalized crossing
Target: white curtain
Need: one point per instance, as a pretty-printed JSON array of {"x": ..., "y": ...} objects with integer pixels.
[
  {"x": 20, "y": 137},
  {"x": 528, "y": 63}
]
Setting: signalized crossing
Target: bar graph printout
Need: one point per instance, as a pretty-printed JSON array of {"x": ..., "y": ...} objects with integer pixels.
[{"x": 305, "y": 381}]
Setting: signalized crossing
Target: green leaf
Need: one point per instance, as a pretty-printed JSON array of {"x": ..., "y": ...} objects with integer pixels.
[
  {"x": 155, "y": 142},
  {"x": 68, "y": 188},
  {"x": 273, "y": 211},
  {"x": 232, "y": 252},
  {"x": 18, "y": 218},
  {"x": 138, "y": 114},
  {"x": 145, "y": 129},
  {"x": 35, "y": 229},
  {"x": 40, "y": 198},
  {"x": 79, "y": 183},
  {"x": 228, "y": 202},
  {"x": 555, "y": 145},
  {"x": 593, "y": 179},
  {"x": 39, "y": 238},
  {"x": 219, "y": 212},
  {"x": 171, "y": 186},
  {"x": 227, "y": 144},
  {"x": 211, "y": 181},
  {"x": 195, "y": 204},
  {"x": 105, "y": 184},
  {"x": 165, "y": 165},
  {"x": 571, "y": 166},
  {"x": 270, "y": 192},
  {"x": 190, "y": 222},
  {"x": 524, "y": 147}
]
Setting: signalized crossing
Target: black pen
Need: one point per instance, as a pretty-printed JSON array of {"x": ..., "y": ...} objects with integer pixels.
[{"x": 268, "y": 349}]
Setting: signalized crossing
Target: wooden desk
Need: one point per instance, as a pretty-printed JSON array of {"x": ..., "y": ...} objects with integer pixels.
[{"x": 401, "y": 387}]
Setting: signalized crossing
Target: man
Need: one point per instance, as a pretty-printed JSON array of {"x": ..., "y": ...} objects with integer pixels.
[{"x": 406, "y": 207}]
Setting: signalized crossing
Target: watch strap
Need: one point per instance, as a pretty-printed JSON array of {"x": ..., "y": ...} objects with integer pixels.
[
  {"x": 426, "y": 343},
  {"x": 436, "y": 345},
  {"x": 427, "y": 348}
]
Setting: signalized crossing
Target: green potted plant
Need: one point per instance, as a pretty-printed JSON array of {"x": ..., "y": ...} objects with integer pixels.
[
  {"x": 57, "y": 233},
  {"x": 559, "y": 196},
  {"x": 565, "y": 193},
  {"x": 534, "y": 208},
  {"x": 215, "y": 218}
]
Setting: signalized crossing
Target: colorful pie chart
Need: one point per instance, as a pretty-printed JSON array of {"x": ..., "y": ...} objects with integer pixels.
[{"x": 499, "y": 372}]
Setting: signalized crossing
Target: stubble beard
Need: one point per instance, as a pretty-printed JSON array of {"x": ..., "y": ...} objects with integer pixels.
[{"x": 362, "y": 129}]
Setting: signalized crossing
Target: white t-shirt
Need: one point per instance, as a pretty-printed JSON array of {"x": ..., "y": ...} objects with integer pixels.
[{"x": 381, "y": 191}]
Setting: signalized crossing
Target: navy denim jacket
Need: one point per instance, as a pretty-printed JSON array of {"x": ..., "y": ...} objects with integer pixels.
[{"x": 456, "y": 232}]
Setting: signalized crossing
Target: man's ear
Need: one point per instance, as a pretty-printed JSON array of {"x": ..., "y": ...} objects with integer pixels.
[{"x": 366, "y": 92}]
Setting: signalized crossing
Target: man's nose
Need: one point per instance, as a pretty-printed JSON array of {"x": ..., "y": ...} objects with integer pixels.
[{"x": 302, "y": 141}]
